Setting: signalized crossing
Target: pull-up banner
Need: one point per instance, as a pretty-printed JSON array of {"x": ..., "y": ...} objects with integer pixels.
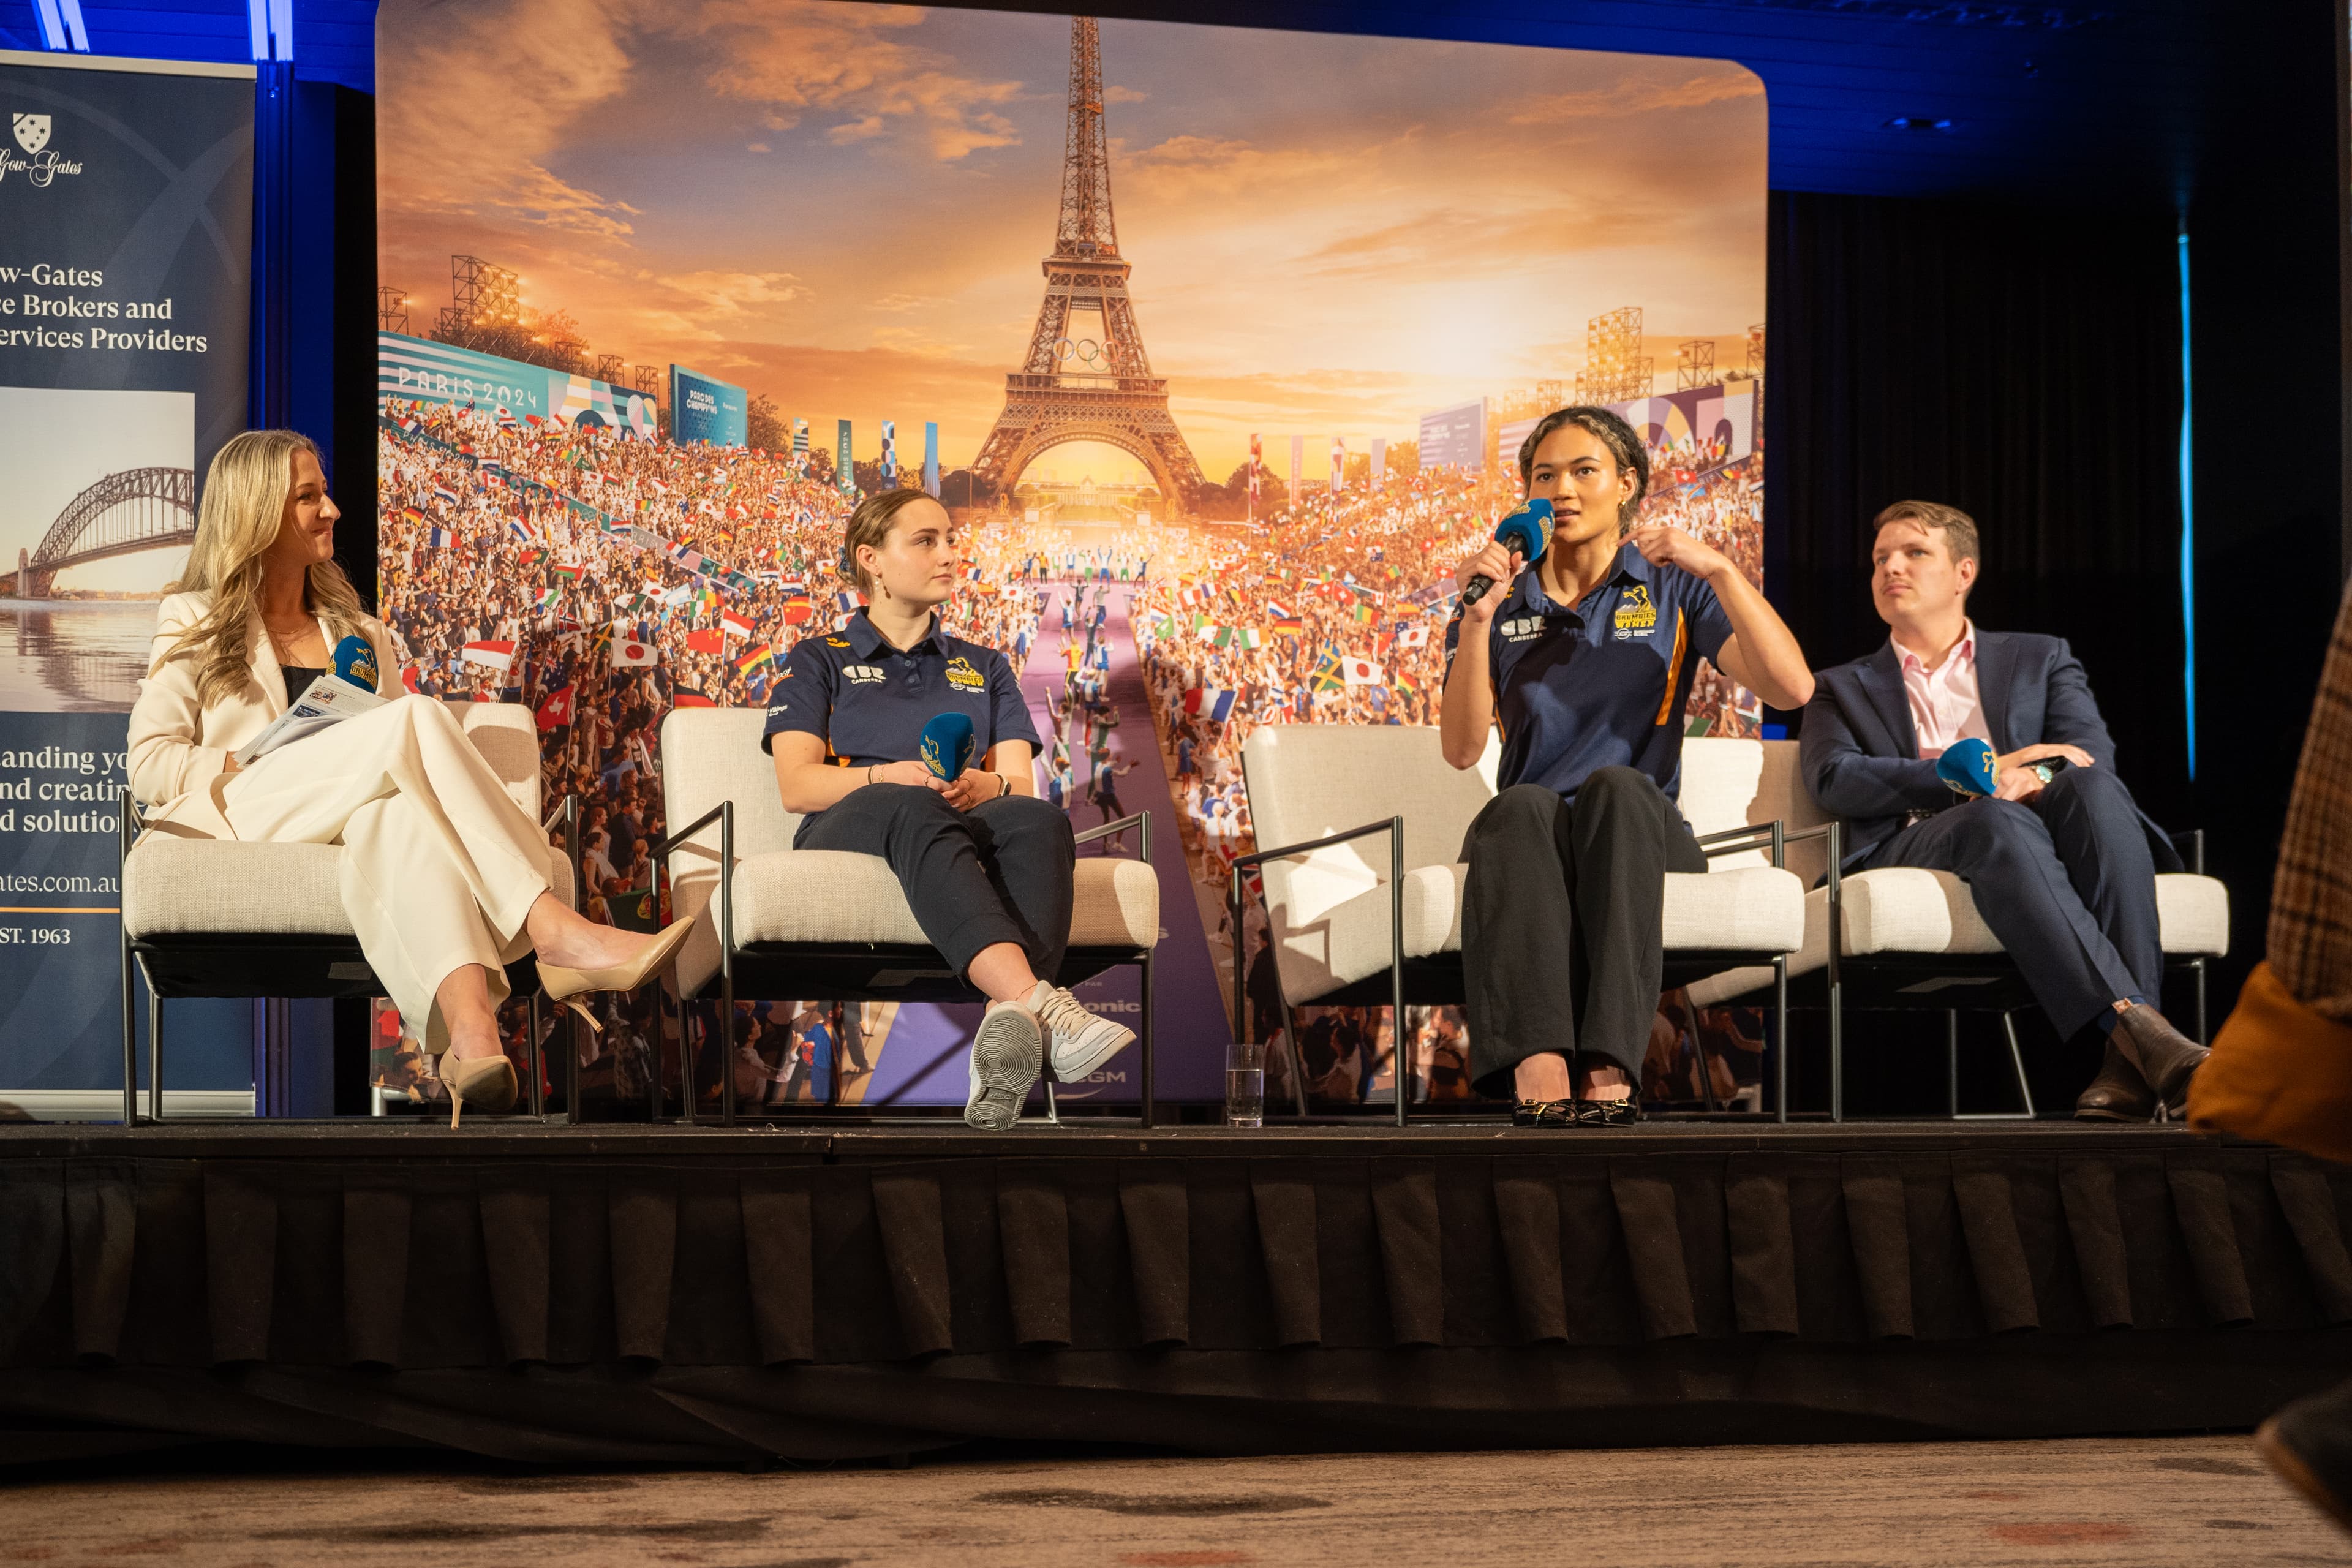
[{"x": 126, "y": 237}]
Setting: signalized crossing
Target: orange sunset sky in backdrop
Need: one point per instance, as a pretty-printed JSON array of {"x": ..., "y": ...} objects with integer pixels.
[{"x": 845, "y": 205}]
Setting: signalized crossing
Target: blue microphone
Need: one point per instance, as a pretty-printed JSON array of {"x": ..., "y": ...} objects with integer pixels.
[
  {"x": 355, "y": 662},
  {"x": 947, "y": 745},
  {"x": 1526, "y": 531},
  {"x": 1967, "y": 767}
]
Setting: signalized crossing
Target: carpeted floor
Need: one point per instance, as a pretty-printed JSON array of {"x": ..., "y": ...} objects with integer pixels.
[{"x": 2199, "y": 1500}]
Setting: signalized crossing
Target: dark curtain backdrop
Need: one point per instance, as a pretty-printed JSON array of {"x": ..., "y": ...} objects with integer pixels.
[{"x": 2021, "y": 364}]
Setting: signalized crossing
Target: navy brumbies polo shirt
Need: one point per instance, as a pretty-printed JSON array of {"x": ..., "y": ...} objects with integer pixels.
[
  {"x": 1602, "y": 683},
  {"x": 868, "y": 703}
]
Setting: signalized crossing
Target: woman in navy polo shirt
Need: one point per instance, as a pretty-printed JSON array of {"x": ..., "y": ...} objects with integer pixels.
[
  {"x": 986, "y": 866},
  {"x": 1584, "y": 666}
]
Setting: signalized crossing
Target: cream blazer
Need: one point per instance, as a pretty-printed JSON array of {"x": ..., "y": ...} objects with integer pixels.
[{"x": 180, "y": 746}]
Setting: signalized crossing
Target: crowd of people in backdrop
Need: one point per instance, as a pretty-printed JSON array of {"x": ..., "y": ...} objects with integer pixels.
[{"x": 604, "y": 581}]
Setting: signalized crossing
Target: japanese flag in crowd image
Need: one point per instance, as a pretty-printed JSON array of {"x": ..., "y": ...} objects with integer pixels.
[
  {"x": 1361, "y": 672},
  {"x": 498, "y": 656},
  {"x": 1412, "y": 636},
  {"x": 629, "y": 653}
]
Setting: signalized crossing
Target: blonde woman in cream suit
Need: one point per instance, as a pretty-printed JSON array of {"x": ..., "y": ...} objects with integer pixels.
[{"x": 443, "y": 877}]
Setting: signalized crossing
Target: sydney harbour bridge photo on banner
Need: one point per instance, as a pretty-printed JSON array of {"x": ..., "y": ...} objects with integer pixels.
[{"x": 1218, "y": 346}]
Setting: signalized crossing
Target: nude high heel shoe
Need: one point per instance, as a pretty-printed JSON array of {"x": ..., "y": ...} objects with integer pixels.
[
  {"x": 488, "y": 1081},
  {"x": 565, "y": 987}
]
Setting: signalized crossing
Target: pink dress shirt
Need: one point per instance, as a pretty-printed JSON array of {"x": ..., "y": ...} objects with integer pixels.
[{"x": 1945, "y": 706}]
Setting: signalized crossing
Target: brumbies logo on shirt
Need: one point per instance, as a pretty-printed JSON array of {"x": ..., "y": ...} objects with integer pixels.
[
  {"x": 961, "y": 675},
  {"x": 1636, "y": 617},
  {"x": 862, "y": 674}
]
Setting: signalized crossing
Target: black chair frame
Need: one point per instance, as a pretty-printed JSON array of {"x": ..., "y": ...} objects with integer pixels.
[
  {"x": 864, "y": 972},
  {"x": 235, "y": 964}
]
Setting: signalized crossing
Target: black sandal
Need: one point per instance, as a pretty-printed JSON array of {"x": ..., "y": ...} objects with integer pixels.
[{"x": 1544, "y": 1114}]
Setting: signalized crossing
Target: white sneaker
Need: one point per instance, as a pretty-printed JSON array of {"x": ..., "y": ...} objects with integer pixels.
[
  {"x": 1005, "y": 1051},
  {"x": 1076, "y": 1041}
]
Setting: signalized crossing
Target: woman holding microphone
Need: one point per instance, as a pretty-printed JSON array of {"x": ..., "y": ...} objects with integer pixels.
[
  {"x": 985, "y": 865},
  {"x": 445, "y": 878},
  {"x": 1584, "y": 665}
]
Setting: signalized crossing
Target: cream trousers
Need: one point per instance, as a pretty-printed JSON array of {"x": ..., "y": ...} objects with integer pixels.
[{"x": 439, "y": 866}]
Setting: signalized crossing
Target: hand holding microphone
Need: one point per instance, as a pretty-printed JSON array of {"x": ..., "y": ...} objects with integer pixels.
[
  {"x": 1525, "y": 535},
  {"x": 948, "y": 746}
]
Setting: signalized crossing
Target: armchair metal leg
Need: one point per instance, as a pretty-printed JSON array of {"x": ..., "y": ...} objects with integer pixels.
[
  {"x": 687, "y": 1053},
  {"x": 535, "y": 1061},
  {"x": 1698, "y": 1054},
  {"x": 1297, "y": 1059},
  {"x": 2016, "y": 1066},
  {"x": 1053, "y": 1112},
  {"x": 154, "y": 1054},
  {"x": 1149, "y": 1106},
  {"x": 1781, "y": 1039},
  {"x": 130, "y": 1044},
  {"x": 571, "y": 1027},
  {"x": 2201, "y": 1038},
  {"x": 654, "y": 1077},
  {"x": 1952, "y": 1063}
]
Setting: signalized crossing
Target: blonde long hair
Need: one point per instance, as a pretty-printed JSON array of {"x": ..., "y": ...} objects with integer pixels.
[{"x": 246, "y": 491}]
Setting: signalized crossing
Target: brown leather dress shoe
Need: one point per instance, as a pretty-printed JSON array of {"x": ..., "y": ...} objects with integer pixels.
[
  {"x": 2163, "y": 1055},
  {"x": 2117, "y": 1094}
]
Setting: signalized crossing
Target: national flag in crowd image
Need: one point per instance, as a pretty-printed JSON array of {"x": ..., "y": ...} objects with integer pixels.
[
  {"x": 1357, "y": 671},
  {"x": 567, "y": 570},
  {"x": 705, "y": 642},
  {"x": 630, "y": 652},
  {"x": 444, "y": 493},
  {"x": 506, "y": 420},
  {"x": 687, "y": 697},
  {"x": 412, "y": 514},
  {"x": 757, "y": 655},
  {"x": 436, "y": 538},
  {"x": 1413, "y": 635},
  {"x": 497, "y": 655},
  {"x": 556, "y": 712},
  {"x": 1210, "y": 702},
  {"x": 525, "y": 529},
  {"x": 549, "y": 599},
  {"x": 733, "y": 625}
]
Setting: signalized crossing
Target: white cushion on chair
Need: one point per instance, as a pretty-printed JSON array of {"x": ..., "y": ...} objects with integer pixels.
[
  {"x": 1906, "y": 909},
  {"x": 1330, "y": 908},
  {"x": 220, "y": 887},
  {"x": 1754, "y": 909},
  {"x": 827, "y": 895}
]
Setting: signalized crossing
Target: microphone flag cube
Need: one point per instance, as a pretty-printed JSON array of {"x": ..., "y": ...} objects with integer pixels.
[
  {"x": 1967, "y": 767},
  {"x": 947, "y": 745},
  {"x": 1527, "y": 530},
  {"x": 354, "y": 661}
]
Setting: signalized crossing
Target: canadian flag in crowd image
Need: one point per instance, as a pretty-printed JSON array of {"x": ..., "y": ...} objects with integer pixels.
[{"x": 628, "y": 652}]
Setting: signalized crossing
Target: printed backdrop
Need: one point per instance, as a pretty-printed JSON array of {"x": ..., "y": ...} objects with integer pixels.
[{"x": 1213, "y": 469}]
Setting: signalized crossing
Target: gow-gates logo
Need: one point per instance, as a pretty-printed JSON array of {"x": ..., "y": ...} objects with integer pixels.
[{"x": 40, "y": 163}]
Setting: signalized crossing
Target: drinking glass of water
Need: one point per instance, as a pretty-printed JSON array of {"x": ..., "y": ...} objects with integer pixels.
[{"x": 1245, "y": 1084}]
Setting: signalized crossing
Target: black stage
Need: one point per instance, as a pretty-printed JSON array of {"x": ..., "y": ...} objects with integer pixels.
[{"x": 609, "y": 1294}]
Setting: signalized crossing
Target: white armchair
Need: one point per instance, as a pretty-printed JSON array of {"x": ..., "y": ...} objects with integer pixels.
[
  {"x": 1912, "y": 940},
  {"x": 192, "y": 924},
  {"x": 1356, "y": 920},
  {"x": 788, "y": 922}
]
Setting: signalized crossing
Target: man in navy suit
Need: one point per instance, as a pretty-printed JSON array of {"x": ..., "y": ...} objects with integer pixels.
[{"x": 2060, "y": 861}]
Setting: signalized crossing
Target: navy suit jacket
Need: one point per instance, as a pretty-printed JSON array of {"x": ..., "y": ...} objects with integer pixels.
[{"x": 1860, "y": 752}]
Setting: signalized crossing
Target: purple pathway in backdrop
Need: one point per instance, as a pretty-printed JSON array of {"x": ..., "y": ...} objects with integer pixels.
[{"x": 923, "y": 1060}]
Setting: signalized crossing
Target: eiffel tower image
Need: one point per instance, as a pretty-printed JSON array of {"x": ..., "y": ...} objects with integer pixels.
[{"x": 1088, "y": 388}]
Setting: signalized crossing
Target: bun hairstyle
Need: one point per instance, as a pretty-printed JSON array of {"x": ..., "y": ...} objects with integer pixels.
[
  {"x": 871, "y": 524},
  {"x": 1611, "y": 432}
]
